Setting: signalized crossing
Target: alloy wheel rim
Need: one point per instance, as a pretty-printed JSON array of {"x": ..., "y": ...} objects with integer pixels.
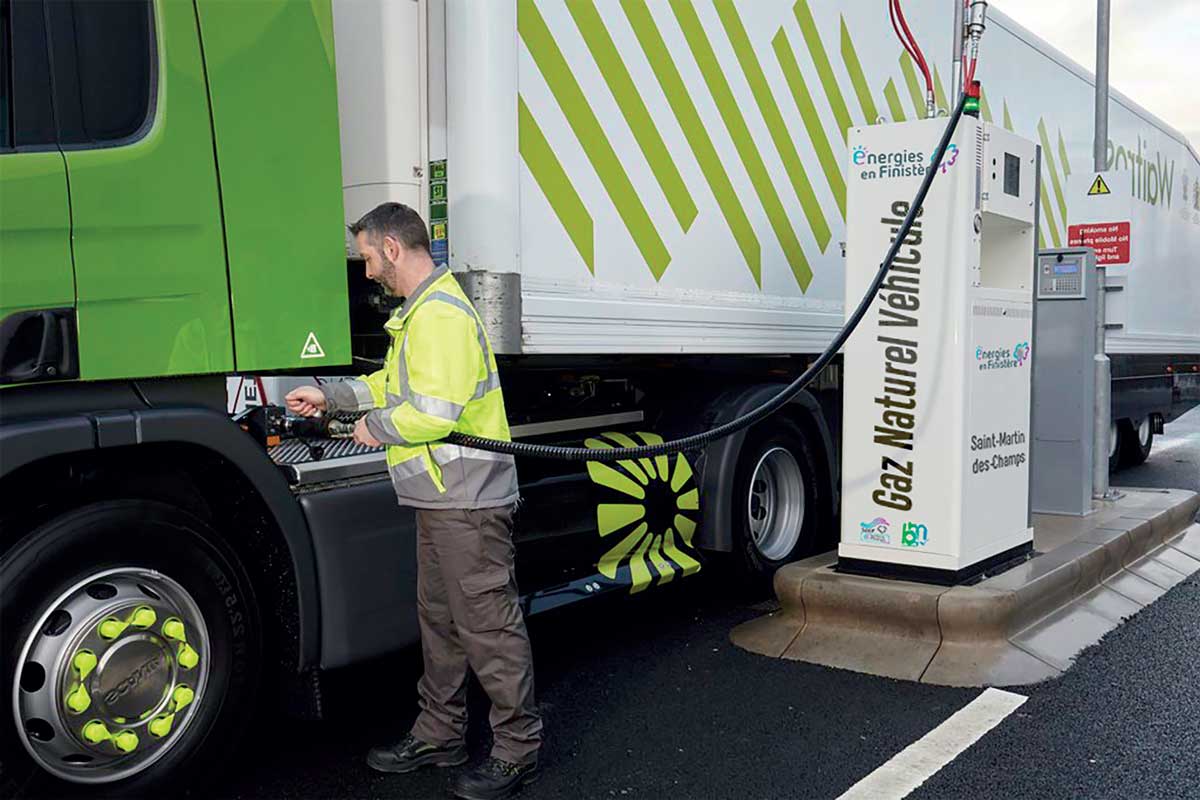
[
  {"x": 111, "y": 676},
  {"x": 776, "y": 503}
]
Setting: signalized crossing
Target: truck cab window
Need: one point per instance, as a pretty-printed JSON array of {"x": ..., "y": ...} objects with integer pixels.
[
  {"x": 26, "y": 116},
  {"x": 102, "y": 58}
]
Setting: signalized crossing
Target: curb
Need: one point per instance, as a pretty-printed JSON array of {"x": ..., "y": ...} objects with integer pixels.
[{"x": 1022, "y": 626}]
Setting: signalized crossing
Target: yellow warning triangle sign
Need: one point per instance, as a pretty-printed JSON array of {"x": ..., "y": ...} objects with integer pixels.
[{"x": 1099, "y": 186}]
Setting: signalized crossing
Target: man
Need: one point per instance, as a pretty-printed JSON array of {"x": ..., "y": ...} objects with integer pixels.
[{"x": 440, "y": 376}]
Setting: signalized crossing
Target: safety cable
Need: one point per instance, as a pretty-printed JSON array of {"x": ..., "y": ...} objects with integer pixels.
[{"x": 700, "y": 440}]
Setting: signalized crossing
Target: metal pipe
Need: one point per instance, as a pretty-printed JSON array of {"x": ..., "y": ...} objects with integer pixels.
[
  {"x": 1102, "y": 404},
  {"x": 1100, "y": 140},
  {"x": 978, "y": 19},
  {"x": 956, "y": 77}
]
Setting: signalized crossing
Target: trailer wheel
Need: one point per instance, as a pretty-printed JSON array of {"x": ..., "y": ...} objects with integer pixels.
[
  {"x": 776, "y": 498},
  {"x": 1137, "y": 439},
  {"x": 1114, "y": 446},
  {"x": 131, "y": 649}
]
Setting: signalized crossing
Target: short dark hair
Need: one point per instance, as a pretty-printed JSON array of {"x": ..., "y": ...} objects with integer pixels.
[{"x": 396, "y": 220}]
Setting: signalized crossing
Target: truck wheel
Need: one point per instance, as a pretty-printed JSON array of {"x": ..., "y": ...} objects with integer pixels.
[
  {"x": 1114, "y": 446},
  {"x": 131, "y": 648},
  {"x": 1137, "y": 438},
  {"x": 776, "y": 498}
]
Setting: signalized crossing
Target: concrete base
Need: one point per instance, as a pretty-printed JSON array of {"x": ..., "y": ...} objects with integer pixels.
[{"x": 1024, "y": 625}]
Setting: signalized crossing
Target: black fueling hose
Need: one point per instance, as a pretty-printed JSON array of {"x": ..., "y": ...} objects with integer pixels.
[{"x": 700, "y": 440}]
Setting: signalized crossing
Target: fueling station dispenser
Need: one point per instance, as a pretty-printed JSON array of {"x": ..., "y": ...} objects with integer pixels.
[
  {"x": 935, "y": 474},
  {"x": 1070, "y": 381}
]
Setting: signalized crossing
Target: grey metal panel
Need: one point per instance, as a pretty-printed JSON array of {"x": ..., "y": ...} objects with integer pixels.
[
  {"x": 1064, "y": 381},
  {"x": 365, "y": 550},
  {"x": 497, "y": 298}
]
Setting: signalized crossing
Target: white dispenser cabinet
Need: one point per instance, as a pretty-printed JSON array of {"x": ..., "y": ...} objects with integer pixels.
[{"x": 935, "y": 472}]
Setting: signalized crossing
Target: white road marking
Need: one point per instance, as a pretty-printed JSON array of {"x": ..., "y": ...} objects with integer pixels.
[{"x": 922, "y": 759}]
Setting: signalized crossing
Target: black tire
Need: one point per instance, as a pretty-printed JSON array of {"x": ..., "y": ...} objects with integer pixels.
[
  {"x": 757, "y": 562},
  {"x": 1133, "y": 450},
  {"x": 148, "y": 535}
]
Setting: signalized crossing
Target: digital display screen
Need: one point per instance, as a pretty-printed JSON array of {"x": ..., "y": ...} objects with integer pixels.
[
  {"x": 1012, "y": 175},
  {"x": 1066, "y": 268}
]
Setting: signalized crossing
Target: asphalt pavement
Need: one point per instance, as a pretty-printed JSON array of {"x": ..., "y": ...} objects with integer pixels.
[{"x": 644, "y": 696}]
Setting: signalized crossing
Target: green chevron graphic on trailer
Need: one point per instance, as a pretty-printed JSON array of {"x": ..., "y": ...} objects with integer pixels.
[
  {"x": 915, "y": 92},
  {"x": 812, "y": 120},
  {"x": 893, "y": 100},
  {"x": 939, "y": 92},
  {"x": 808, "y": 27},
  {"x": 566, "y": 90},
  {"x": 857, "y": 79},
  {"x": 731, "y": 115},
  {"x": 555, "y": 184},
  {"x": 697, "y": 137},
  {"x": 620, "y": 83},
  {"x": 784, "y": 144},
  {"x": 1048, "y": 160},
  {"x": 620, "y": 130}
]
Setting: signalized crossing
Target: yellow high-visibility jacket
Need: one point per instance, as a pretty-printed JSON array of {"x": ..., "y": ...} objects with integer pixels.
[{"x": 439, "y": 376}]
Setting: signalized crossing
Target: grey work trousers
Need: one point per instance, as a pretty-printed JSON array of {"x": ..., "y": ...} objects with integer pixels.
[{"x": 469, "y": 616}]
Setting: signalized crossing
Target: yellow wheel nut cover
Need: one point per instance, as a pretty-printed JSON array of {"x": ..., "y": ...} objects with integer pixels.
[
  {"x": 84, "y": 662},
  {"x": 95, "y": 731},
  {"x": 126, "y": 741},
  {"x": 111, "y": 628},
  {"x": 188, "y": 657},
  {"x": 79, "y": 700},
  {"x": 173, "y": 629},
  {"x": 183, "y": 697},
  {"x": 161, "y": 726},
  {"x": 144, "y": 617}
]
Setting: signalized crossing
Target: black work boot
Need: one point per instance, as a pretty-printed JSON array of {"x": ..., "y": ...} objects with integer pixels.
[
  {"x": 410, "y": 753},
  {"x": 494, "y": 779}
]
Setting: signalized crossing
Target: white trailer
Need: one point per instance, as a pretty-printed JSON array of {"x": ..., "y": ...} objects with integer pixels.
[{"x": 631, "y": 178}]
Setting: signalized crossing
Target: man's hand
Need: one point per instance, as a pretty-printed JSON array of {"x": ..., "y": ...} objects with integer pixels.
[
  {"x": 363, "y": 436},
  {"x": 307, "y": 401}
]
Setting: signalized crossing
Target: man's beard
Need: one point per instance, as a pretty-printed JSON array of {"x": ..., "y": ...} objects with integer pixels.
[{"x": 387, "y": 276}]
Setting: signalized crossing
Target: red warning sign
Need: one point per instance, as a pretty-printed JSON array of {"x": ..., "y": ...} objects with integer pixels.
[{"x": 1110, "y": 240}]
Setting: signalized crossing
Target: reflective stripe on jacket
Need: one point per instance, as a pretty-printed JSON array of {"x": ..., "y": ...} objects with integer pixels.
[{"x": 439, "y": 376}]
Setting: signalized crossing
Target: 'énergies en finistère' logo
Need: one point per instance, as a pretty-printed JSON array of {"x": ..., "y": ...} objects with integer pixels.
[
  {"x": 897, "y": 163},
  {"x": 875, "y": 531},
  {"x": 1002, "y": 357}
]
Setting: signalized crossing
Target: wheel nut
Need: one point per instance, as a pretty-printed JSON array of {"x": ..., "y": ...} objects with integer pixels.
[
  {"x": 183, "y": 697},
  {"x": 79, "y": 700},
  {"x": 161, "y": 726},
  {"x": 173, "y": 629},
  {"x": 111, "y": 628},
  {"x": 126, "y": 741},
  {"x": 95, "y": 731},
  {"x": 84, "y": 662},
  {"x": 144, "y": 617},
  {"x": 188, "y": 657}
]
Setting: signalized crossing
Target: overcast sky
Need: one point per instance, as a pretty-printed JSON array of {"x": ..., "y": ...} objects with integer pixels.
[{"x": 1153, "y": 49}]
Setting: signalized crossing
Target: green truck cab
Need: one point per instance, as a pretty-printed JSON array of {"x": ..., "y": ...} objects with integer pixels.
[
  {"x": 170, "y": 211},
  {"x": 158, "y": 205}
]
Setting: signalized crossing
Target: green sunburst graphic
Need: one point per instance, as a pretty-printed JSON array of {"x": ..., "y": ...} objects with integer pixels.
[{"x": 654, "y": 524}]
